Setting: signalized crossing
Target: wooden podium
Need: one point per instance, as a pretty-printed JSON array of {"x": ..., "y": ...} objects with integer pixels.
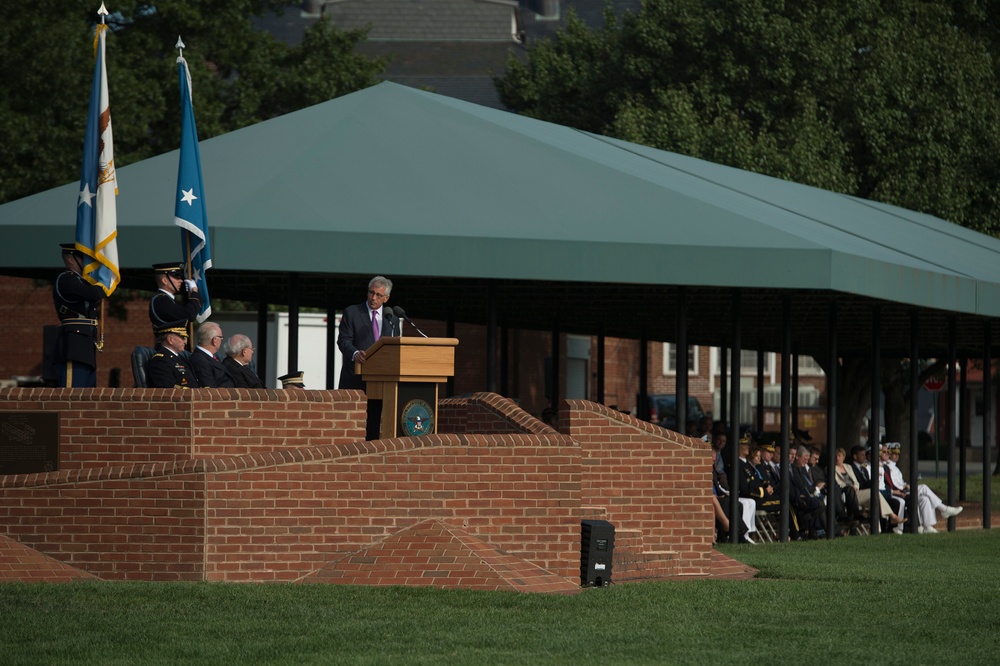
[{"x": 404, "y": 374}]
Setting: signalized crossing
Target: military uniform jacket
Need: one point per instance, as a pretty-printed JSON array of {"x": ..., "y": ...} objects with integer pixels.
[
  {"x": 165, "y": 309},
  {"x": 165, "y": 369},
  {"x": 76, "y": 305}
]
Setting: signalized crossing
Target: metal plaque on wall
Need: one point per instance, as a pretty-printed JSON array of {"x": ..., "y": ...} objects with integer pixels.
[{"x": 29, "y": 442}]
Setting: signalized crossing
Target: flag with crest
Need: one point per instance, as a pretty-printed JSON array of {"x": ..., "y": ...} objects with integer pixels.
[{"x": 96, "y": 216}]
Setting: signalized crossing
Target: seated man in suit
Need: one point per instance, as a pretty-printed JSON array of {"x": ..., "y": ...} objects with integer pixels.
[
  {"x": 239, "y": 353},
  {"x": 167, "y": 368},
  {"x": 807, "y": 496},
  {"x": 207, "y": 367}
]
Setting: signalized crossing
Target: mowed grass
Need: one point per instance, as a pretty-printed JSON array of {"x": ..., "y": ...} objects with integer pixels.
[{"x": 892, "y": 599}]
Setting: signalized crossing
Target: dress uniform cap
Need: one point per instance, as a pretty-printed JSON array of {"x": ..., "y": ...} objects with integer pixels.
[
  {"x": 170, "y": 268},
  {"x": 292, "y": 379},
  {"x": 178, "y": 327}
]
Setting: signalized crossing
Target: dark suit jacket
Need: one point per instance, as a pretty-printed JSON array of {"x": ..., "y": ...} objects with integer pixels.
[
  {"x": 166, "y": 369},
  {"x": 241, "y": 374},
  {"x": 356, "y": 334},
  {"x": 210, "y": 371}
]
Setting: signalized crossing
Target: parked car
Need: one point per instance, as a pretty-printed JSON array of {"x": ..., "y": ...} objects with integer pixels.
[{"x": 663, "y": 410}]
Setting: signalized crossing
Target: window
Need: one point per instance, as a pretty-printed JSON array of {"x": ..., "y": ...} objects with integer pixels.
[
  {"x": 670, "y": 359},
  {"x": 809, "y": 366}
]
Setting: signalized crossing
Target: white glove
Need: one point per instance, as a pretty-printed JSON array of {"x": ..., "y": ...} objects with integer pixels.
[{"x": 191, "y": 285}]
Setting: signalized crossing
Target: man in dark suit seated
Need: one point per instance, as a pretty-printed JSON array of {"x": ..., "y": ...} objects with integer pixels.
[
  {"x": 167, "y": 367},
  {"x": 207, "y": 367},
  {"x": 807, "y": 496},
  {"x": 239, "y": 353}
]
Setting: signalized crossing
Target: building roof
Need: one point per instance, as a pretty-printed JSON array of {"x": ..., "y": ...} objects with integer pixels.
[
  {"x": 427, "y": 20},
  {"x": 462, "y": 204}
]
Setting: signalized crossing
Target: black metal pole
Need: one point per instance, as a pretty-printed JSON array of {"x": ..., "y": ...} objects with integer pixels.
[
  {"x": 293, "y": 323},
  {"x": 331, "y": 343},
  {"x": 260, "y": 344},
  {"x": 950, "y": 416},
  {"x": 734, "y": 411},
  {"x": 831, "y": 419},
  {"x": 491, "y": 337},
  {"x": 786, "y": 366},
  {"x": 556, "y": 351},
  {"x": 963, "y": 426},
  {"x": 761, "y": 356},
  {"x": 987, "y": 419},
  {"x": 600, "y": 363},
  {"x": 911, "y": 499},
  {"x": 504, "y": 356},
  {"x": 873, "y": 421},
  {"x": 681, "y": 362},
  {"x": 724, "y": 388}
]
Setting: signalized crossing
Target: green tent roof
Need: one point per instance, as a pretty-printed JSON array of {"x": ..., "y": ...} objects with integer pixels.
[{"x": 407, "y": 183}]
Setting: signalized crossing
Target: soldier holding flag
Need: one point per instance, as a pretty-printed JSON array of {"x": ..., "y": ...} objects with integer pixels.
[
  {"x": 75, "y": 357},
  {"x": 92, "y": 261}
]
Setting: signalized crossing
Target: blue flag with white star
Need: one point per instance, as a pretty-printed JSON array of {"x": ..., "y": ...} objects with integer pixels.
[
  {"x": 96, "y": 216},
  {"x": 189, "y": 210}
]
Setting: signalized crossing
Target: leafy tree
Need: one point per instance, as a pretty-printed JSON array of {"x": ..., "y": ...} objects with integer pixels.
[
  {"x": 240, "y": 76},
  {"x": 890, "y": 100}
]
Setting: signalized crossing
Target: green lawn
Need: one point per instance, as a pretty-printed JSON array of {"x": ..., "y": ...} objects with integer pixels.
[{"x": 891, "y": 599}]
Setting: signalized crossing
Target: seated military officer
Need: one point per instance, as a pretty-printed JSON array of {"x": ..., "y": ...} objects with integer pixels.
[{"x": 168, "y": 368}]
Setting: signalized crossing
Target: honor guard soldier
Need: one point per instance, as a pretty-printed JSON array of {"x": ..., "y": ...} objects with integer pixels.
[
  {"x": 176, "y": 299},
  {"x": 168, "y": 367},
  {"x": 76, "y": 301}
]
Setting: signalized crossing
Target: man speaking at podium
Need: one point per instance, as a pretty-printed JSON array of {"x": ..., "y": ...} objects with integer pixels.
[{"x": 361, "y": 326}]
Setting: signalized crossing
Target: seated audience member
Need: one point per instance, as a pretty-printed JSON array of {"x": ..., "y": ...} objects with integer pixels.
[
  {"x": 720, "y": 497},
  {"x": 752, "y": 481},
  {"x": 928, "y": 503},
  {"x": 807, "y": 497},
  {"x": 208, "y": 368},
  {"x": 851, "y": 488},
  {"x": 845, "y": 503},
  {"x": 860, "y": 470},
  {"x": 239, "y": 353},
  {"x": 898, "y": 503},
  {"x": 167, "y": 367}
]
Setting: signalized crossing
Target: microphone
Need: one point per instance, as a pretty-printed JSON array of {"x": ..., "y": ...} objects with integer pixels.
[
  {"x": 401, "y": 313},
  {"x": 387, "y": 318}
]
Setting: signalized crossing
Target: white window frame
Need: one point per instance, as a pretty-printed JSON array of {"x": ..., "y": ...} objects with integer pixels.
[{"x": 668, "y": 348}]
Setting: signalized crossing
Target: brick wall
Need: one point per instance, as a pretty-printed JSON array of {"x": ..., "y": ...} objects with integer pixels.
[
  {"x": 640, "y": 476},
  {"x": 283, "y": 514},
  {"x": 111, "y": 427}
]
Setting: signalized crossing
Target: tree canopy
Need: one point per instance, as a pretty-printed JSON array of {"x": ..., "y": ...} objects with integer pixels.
[
  {"x": 240, "y": 76},
  {"x": 892, "y": 100}
]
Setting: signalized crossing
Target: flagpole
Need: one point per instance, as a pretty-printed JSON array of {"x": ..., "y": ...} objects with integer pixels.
[
  {"x": 188, "y": 272},
  {"x": 99, "y": 345}
]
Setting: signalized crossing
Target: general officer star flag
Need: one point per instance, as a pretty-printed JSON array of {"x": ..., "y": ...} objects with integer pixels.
[
  {"x": 96, "y": 216},
  {"x": 189, "y": 210}
]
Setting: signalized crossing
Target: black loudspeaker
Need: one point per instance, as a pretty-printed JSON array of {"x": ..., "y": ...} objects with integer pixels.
[{"x": 597, "y": 546}]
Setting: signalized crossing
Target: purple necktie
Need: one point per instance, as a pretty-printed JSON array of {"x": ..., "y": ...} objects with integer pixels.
[{"x": 375, "y": 324}]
